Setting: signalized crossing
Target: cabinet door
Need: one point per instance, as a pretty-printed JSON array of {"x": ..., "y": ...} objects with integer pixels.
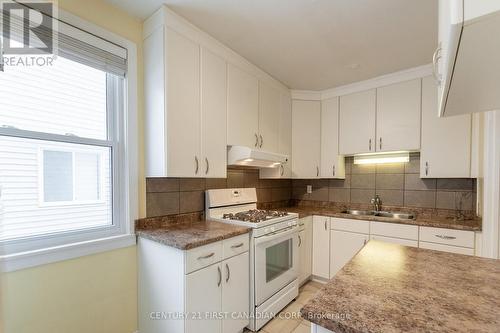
[
  {"x": 398, "y": 116},
  {"x": 446, "y": 142},
  {"x": 183, "y": 106},
  {"x": 242, "y": 108},
  {"x": 236, "y": 292},
  {"x": 302, "y": 256},
  {"x": 306, "y": 138},
  {"x": 203, "y": 295},
  {"x": 357, "y": 123},
  {"x": 213, "y": 115},
  {"x": 343, "y": 247},
  {"x": 321, "y": 247},
  {"x": 332, "y": 164},
  {"x": 269, "y": 117}
]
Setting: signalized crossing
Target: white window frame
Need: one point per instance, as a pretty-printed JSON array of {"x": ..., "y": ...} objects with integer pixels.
[{"x": 24, "y": 253}]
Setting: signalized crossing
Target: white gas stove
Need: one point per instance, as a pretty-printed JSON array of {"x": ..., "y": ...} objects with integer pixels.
[{"x": 273, "y": 249}]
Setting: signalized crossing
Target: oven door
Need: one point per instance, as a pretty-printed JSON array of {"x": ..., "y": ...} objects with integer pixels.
[{"x": 276, "y": 262}]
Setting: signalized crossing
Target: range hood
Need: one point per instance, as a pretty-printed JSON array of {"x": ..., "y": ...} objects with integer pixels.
[{"x": 245, "y": 156}]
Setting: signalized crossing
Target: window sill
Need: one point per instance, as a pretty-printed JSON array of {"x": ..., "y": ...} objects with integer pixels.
[{"x": 14, "y": 262}]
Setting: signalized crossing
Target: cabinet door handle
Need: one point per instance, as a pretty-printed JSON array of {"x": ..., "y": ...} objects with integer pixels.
[
  {"x": 237, "y": 246},
  {"x": 426, "y": 168},
  {"x": 325, "y": 225},
  {"x": 220, "y": 277},
  {"x": 207, "y": 256},
  {"x": 364, "y": 242},
  {"x": 256, "y": 140},
  {"x": 261, "y": 141},
  {"x": 445, "y": 237},
  {"x": 380, "y": 143},
  {"x": 208, "y": 166},
  {"x": 435, "y": 59},
  {"x": 334, "y": 171},
  {"x": 197, "y": 165},
  {"x": 228, "y": 273},
  {"x": 370, "y": 145},
  {"x": 300, "y": 240},
  {"x": 317, "y": 171},
  {"x": 282, "y": 169}
]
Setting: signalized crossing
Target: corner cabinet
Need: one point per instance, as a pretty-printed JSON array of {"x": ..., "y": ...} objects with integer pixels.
[
  {"x": 332, "y": 164},
  {"x": 185, "y": 100},
  {"x": 306, "y": 139},
  {"x": 201, "y": 283},
  {"x": 321, "y": 247}
]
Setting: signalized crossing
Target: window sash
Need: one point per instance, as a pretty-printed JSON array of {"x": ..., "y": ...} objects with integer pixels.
[{"x": 115, "y": 100}]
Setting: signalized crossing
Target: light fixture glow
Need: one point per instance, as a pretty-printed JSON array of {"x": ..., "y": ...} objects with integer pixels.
[
  {"x": 248, "y": 160},
  {"x": 400, "y": 157}
]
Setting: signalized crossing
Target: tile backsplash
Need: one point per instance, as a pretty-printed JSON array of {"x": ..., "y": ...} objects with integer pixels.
[
  {"x": 170, "y": 196},
  {"x": 397, "y": 184}
]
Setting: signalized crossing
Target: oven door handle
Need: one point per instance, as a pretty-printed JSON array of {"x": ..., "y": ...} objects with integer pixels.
[{"x": 276, "y": 235}]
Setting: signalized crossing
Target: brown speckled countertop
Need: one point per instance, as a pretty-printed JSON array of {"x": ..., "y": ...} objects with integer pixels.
[
  {"x": 189, "y": 235},
  {"x": 421, "y": 220},
  {"x": 393, "y": 288}
]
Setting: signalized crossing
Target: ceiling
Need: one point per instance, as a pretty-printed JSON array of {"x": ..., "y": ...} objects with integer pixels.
[{"x": 314, "y": 44}]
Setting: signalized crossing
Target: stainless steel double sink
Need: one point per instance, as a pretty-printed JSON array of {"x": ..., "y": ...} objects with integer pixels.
[{"x": 393, "y": 215}]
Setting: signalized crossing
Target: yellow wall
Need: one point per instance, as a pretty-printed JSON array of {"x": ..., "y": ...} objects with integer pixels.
[{"x": 95, "y": 293}]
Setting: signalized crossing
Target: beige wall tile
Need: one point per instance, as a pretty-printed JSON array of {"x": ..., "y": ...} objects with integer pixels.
[
  {"x": 362, "y": 196},
  {"x": 458, "y": 184},
  {"x": 363, "y": 181},
  {"x": 391, "y": 168},
  {"x": 215, "y": 183},
  {"x": 342, "y": 195},
  {"x": 414, "y": 182},
  {"x": 192, "y": 184},
  {"x": 192, "y": 201},
  {"x": 235, "y": 179},
  {"x": 162, "y": 184},
  {"x": 159, "y": 204},
  {"x": 390, "y": 181},
  {"x": 425, "y": 199},
  {"x": 391, "y": 197}
]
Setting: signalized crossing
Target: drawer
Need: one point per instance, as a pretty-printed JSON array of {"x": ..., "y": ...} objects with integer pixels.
[
  {"x": 235, "y": 245},
  {"x": 447, "y": 236},
  {"x": 352, "y": 225},
  {"x": 203, "y": 256},
  {"x": 446, "y": 248},
  {"x": 394, "y": 230},
  {"x": 400, "y": 241}
]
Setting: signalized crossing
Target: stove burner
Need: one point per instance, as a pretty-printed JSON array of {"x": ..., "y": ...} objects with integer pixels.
[{"x": 254, "y": 215}]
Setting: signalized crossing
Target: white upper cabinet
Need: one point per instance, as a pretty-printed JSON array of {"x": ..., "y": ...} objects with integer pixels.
[
  {"x": 306, "y": 138},
  {"x": 398, "y": 116},
  {"x": 172, "y": 105},
  {"x": 269, "y": 117},
  {"x": 446, "y": 142},
  {"x": 357, "y": 123},
  {"x": 332, "y": 164},
  {"x": 242, "y": 108},
  {"x": 213, "y": 115}
]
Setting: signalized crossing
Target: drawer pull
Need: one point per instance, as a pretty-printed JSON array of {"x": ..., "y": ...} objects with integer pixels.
[
  {"x": 445, "y": 237},
  {"x": 207, "y": 256},
  {"x": 237, "y": 246}
]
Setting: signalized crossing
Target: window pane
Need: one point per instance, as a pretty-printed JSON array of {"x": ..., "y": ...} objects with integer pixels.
[
  {"x": 67, "y": 97},
  {"x": 87, "y": 175},
  {"x": 23, "y": 212},
  {"x": 57, "y": 176}
]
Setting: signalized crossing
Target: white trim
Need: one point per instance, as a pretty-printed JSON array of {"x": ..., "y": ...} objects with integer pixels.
[
  {"x": 491, "y": 184},
  {"x": 377, "y": 82},
  {"x": 24, "y": 260},
  {"x": 128, "y": 195}
]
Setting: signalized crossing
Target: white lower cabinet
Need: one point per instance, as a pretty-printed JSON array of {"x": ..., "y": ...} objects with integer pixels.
[
  {"x": 204, "y": 283},
  {"x": 321, "y": 246},
  {"x": 343, "y": 247},
  {"x": 305, "y": 249},
  {"x": 400, "y": 241},
  {"x": 448, "y": 240}
]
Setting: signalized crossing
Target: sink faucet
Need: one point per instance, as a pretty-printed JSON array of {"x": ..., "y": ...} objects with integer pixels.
[{"x": 377, "y": 203}]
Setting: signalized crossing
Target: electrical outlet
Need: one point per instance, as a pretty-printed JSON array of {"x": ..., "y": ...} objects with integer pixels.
[{"x": 309, "y": 189}]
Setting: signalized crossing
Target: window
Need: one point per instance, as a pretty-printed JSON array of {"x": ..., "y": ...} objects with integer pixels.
[{"x": 62, "y": 147}]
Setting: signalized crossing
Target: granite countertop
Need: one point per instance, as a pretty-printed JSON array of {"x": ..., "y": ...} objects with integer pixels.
[
  {"x": 426, "y": 221},
  {"x": 393, "y": 288},
  {"x": 189, "y": 235}
]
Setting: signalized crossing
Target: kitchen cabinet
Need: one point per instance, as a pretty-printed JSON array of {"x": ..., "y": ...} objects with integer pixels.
[
  {"x": 284, "y": 141},
  {"x": 269, "y": 117},
  {"x": 446, "y": 142},
  {"x": 188, "y": 105},
  {"x": 398, "y": 116},
  {"x": 306, "y": 139},
  {"x": 343, "y": 247},
  {"x": 321, "y": 247},
  {"x": 400, "y": 241},
  {"x": 242, "y": 108},
  {"x": 210, "y": 279},
  {"x": 305, "y": 249},
  {"x": 357, "y": 123},
  {"x": 332, "y": 164}
]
